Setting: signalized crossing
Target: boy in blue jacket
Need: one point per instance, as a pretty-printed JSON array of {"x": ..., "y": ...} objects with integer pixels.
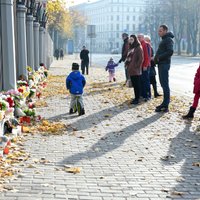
[{"x": 75, "y": 83}]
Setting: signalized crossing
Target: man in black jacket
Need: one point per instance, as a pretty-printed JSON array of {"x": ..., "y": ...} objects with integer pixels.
[
  {"x": 124, "y": 51},
  {"x": 84, "y": 60},
  {"x": 163, "y": 59}
]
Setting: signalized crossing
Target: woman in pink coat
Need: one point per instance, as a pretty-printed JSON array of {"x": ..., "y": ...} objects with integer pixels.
[{"x": 196, "y": 91}]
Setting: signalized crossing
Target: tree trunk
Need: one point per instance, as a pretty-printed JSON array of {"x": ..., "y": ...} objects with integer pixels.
[{"x": 194, "y": 53}]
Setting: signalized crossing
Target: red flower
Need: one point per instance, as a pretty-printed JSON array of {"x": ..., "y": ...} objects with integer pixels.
[
  {"x": 20, "y": 90},
  {"x": 10, "y": 101}
]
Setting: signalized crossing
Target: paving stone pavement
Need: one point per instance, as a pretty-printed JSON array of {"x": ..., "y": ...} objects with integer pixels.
[{"x": 124, "y": 152}]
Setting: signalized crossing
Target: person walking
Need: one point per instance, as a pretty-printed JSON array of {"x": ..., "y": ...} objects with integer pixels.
[
  {"x": 163, "y": 59},
  {"x": 145, "y": 82},
  {"x": 152, "y": 71},
  {"x": 196, "y": 92},
  {"x": 84, "y": 56},
  {"x": 110, "y": 67},
  {"x": 124, "y": 52},
  {"x": 56, "y": 54},
  {"x": 61, "y": 54},
  {"x": 133, "y": 63}
]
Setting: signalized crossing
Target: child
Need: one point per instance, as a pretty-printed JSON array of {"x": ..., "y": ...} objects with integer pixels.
[
  {"x": 196, "y": 91},
  {"x": 75, "y": 83},
  {"x": 111, "y": 69}
]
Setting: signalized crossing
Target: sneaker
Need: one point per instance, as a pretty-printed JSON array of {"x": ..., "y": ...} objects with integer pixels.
[
  {"x": 71, "y": 111},
  {"x": 161, "y": 109}
]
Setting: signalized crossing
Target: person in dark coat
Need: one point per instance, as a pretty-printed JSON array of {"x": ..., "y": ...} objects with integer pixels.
[
  {"x": 56, "y": 54},
  {"x": 196, "y": 91},
  {"x": 84, "y": 56},
  {"x": 163, "y": 59},
  {"x": 124, "y": 52},
  {"x": 61, "y": 54}
]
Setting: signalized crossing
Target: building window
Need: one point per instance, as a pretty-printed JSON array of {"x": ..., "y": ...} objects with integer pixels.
[
  {"x": 133, "y": 18},
  {"x": 117, "y": 27},
  {"x": 117, "y": 17},
  {"x": 111, "y": 18},
  {"x": 133, "y": 27},
  {"x": 111, "y": 27},
  {"x": 127, "y": 17},
  {"x": 117, "y": 44},
  {"x": 127, "y": 27}
]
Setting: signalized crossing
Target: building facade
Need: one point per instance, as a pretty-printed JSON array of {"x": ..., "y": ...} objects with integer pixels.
[
  {"x": 24, "y": 40},
  {"x": 111, "y": 18}
]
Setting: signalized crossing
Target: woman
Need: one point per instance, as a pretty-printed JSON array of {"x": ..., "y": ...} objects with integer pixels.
[{"x": 133, "y": 63}]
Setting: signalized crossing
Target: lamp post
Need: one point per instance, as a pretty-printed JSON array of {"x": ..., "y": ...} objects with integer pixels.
[
  {"x": 29, "y": 33},
  {"x": 36, "y": 25},
  {"x": 21, "y": 39}
]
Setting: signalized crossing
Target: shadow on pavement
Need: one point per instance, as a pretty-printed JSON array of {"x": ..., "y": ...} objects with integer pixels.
[
  {"x": 88, "y": 121},
  {"x": 186, "y": 147},
  {"x": 110, "y": 141}
]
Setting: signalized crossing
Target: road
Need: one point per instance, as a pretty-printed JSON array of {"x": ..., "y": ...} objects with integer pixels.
[{"x": 181, "y": 73}]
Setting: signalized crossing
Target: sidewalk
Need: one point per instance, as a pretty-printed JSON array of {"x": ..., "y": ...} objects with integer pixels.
[{"x": 123, "y": 152}]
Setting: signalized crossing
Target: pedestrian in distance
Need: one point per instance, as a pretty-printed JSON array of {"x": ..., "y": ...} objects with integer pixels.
[
  {"x": 196, "y": 91},
  {"x": 133, "y": 63},
  {"x": 56, "y": 54},
  {"x": 163, "y": 59},
  {"x": 111, "y": 69},
  {"x": 124, "y": 52},
  {"x": 61, "y": 54},
  {"x": 75, "y": 82},
  {"x": 152, "y": 71},
  {"x": 84, "y": 56}
]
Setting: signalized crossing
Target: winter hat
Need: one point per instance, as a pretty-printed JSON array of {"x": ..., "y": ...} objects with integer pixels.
[{"x": 75, "y": 66}]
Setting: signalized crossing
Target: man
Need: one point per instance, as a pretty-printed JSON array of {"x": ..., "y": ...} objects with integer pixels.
[
  {"x": 84, "y": 60},
  {"x": 163, "y": 59},
  {"x": 145, "y": 82},
  {"x": 124, "y": 51}
]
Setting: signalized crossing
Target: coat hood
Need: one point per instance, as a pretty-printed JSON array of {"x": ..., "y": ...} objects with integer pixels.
[
  {"x": 168, "y": 34},
  {"x": 75, "y": 75}
]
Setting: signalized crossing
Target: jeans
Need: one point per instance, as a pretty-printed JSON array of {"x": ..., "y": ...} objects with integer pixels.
[
  {"x": 163, "y": 72},
  {"x": 73, "y": 100},
  {"x": 145, "y": 84}
]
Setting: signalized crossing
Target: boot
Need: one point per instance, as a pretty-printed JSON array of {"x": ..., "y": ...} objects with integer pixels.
[
  {"x": 190, "y": 114},
  {"x": 82, "y": 112}
]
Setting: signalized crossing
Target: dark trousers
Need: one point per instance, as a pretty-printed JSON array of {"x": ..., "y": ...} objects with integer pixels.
[
  {"x": 163, "y": 72},
  {"x": 136, "y": 82},
  {"x": 84, "y": 64},
  {"x": 154, "y": 84},
  {"x": 145, "y": 84},
  {"x": 126, "y": 73}
]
